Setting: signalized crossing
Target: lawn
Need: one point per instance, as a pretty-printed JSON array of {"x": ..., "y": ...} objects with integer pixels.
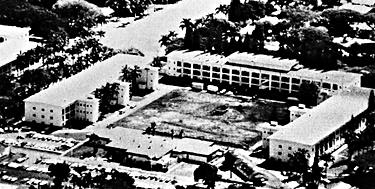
[{"x": 207, "y": 116}]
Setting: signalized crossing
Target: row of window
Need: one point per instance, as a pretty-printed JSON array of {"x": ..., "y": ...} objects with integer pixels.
[
  {"x": 34, "y": 108},
  {"x": 42, "y": 116},
  {"x": 85, "y": 112},
  {"x": 206, "y": 73},
  {"x": 275, "y": 82},
  {"x": 84, "y": 105}
]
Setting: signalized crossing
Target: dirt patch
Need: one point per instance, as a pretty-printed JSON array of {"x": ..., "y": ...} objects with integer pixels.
[{"x": 207, "y": 116}]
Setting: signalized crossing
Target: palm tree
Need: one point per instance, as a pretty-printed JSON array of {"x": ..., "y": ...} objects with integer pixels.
[
  {"x": 125, "y": 74},
  {"x": 188, "y": 39},
  {"x": 6, "y": 84},
  {"x": 165, "y": 40},
  {"x": 222, "y": 9}
]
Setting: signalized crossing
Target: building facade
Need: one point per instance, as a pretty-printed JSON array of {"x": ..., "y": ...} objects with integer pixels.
[
  {"x": 260, "y": 71},
  {"x": 149, "y": 78},
  {"x": 321, "y": 129}
]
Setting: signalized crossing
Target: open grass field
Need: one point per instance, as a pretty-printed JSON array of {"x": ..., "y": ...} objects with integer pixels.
[{"x": 207, "y": 116}]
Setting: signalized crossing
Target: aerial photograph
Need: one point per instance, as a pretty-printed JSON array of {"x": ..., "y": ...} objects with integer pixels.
[{"x": 187, "y": 94}]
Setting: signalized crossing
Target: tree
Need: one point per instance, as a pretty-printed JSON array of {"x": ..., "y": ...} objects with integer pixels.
[
  {"x": 371, "y": 101},
  {"x": 299, "y": 161},
  {"x": 80, "y": 15},
  {"x": 222, "y": 9},
  {"x": 339, "y": 21},
  {"x": 352, "y": 140},
  {"x": 208, "y": 173},
  {"x": 234, "y": 12},
  {"x": 308, "y": 93},
  {"x": 107, "y": 94},
  {"x": 60, "y": 173},
  {"x": 327, "y": 158},
  {"x": 188, "y": 39},
  {"x": 6, "y": 84}
]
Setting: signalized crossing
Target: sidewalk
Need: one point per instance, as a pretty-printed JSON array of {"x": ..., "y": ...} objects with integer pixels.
[{"x": 161, "y": 91}]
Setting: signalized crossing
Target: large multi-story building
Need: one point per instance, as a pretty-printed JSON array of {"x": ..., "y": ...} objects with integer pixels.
[
  {"x": 250, "y": 70},
  {"x": 13, "y": 41},
  {"x": 70, "y": 99},
  {"x": 320, "y": 130}
]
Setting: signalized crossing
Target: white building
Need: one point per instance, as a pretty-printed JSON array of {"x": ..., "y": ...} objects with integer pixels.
[
  {"x": 297, "y": 111},
  {"x": 149, "y": 78},
  {"x": 267, "y": 130},
  {"x": 13, "y": 41},
  {"x": 321, "y": 129},
  {"x": 123, "y": 96},
  {"x": 87, "y": 109},
  {"x": 250, "y": 70},
  {"x": 59, "y": 103}
]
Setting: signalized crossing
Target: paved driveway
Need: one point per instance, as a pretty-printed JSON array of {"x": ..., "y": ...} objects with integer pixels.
[{"x": 145, "y": 33}]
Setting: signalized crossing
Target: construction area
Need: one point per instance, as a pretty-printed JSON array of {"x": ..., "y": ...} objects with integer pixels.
[{"x": 224, "y": 119}]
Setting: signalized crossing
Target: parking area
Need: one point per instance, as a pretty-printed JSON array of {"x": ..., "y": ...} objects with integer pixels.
[{"x": 36, "y": 141}]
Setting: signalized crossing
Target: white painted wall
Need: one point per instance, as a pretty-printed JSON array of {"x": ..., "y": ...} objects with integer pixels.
[
  {"x": 87, "y": 109},
  {"x": 44, "y": 113}
]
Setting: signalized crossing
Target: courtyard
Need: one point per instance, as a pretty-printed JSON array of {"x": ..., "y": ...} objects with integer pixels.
[{"x": 223, "y": 119}]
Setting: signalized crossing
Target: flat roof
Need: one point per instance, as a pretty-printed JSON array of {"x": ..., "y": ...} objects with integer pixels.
[
  {"x": 325, "y": 118},
  {"x": 152, "y": 146},
  {"x": 262, "y": 61},
  {"x": 78, "y": 86},
  {"x": 11, "y": 48},
  {"x": 329, "y": 76},
  {"x": 197, "y": 57},
  {"x": 13, "y": 31},
  {"x": 363, "y": 9}
]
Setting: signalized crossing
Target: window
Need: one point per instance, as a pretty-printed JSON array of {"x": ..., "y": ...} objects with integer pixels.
[
  {"x": 280, "y": 146},
  {"x": 225, "y": 77},
  {"x": 275, "y": 84},
  {"x": 216, "y": 75},
  {"x": 207, "y": 68},
  {"x": 335, "y": 87},
  {"x": 275, "y": 78},
  {"x": 236, "y": 72},
  {"x": 42, "y": 109},
  {"x": 289, "y": 148},
  {"x": 42, "y": 116},
  {"x": 196, "y": 66},
  {"x": 51, "y": 111},
  {"x": 245, "y": 73},
  {"x": 295, "y": 80},
  {"x": 196, "y": 73},
  {"x": 206, "y": 74},
  {"x": 256, "y": 75},
  {"x": 285, "y": 79},
  {"x": 235, "y": 78},
  {"x": 216, "y": 69},
  {"x": 327, "y": 85},
  {"x": 255, "y": 81},
  {"x": 34, "y": 108},
  {"x": 225, "y": 70},
  {"x": 34, "y": 115},
  {"x": 279, "y": 153},
  {"x": 245, "y": 80},
  {"x": 187, "y": 71},
  {"x": 51, "y": 117},
  {"x": 265, "y": 76},
  {"x": 179, "y": 63},
  {"x": 187, "y": 65},
  {"x": 285, "y": 85}
]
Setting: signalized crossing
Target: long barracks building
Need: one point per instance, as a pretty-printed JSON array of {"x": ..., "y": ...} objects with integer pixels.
[{"x": 261, "y": 71}]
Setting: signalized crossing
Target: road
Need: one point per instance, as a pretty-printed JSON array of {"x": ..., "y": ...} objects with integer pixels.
[{"x": 145, "y": 33}]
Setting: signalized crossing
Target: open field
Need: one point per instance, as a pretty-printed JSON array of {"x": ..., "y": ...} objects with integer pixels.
[{"x": 207, "y": 116}]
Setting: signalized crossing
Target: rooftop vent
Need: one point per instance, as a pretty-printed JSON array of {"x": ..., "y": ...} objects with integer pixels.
[{"x": 301, "y": 106}]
